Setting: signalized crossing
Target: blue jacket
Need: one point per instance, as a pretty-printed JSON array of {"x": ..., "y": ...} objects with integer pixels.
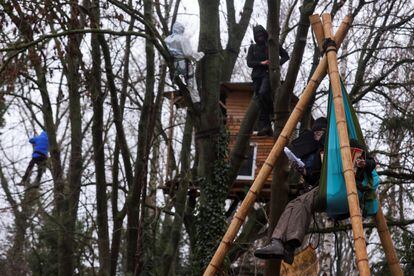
[{"x": 41, "y": 145}]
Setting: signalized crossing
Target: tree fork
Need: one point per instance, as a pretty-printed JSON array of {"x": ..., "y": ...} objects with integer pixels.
[{"x": 381, "y": 223}]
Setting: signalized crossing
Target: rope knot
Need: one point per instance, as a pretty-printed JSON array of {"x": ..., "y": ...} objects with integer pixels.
[{"x": 329, "y": 45}]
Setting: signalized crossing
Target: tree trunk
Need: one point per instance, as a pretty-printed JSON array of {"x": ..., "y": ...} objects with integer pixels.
[
  {"x": 68, "y": 213},
  {"x": 117, "y": 216},
  {"x": 208, "y": 127},
  {"x": 145, "y": 133},
  {"x": 279, "y": 188},
  {"x": 171, "y": 248},
  {"x": 98, "y": 98},
  {"x": 17, "y": 264},
  {"x": 279, "y": 194},
  {"x": 216, "y": 66}
]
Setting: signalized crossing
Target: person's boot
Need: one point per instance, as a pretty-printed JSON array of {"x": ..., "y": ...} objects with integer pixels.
[
  {"x": 275, "y": 250},
  {"x": 289, "y": 253}
]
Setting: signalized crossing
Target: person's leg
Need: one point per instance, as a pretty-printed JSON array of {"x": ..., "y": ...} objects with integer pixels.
[
  {"x": 41, "y": 168},
  {"x": 268, "y": 99},
  {"x": 256, "y": 87},
  {"x": 266, "y": 107},
  {"x": 291, "y": 228},
  {"x": 283, "y": 223},
  {"x": 180, "y": 71},
  {"x": 191, "y": 83},
  {"x": 257, "y": 83},
  {"x": 266, "y": 95},
  {"x": 28, "y": 172},
  {"x": 180, "y": 67}
]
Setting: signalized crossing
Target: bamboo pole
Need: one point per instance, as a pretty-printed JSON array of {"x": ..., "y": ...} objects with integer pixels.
[
  {"x": 267, "y": 168},
  {"x": 347, "y": 166},
  {"x": 386, "y": 241},
  {"x": 317, "y": 28}
]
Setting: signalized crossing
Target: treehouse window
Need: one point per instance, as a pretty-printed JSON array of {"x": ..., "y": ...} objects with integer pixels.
[{"x": 248, "y": 167}]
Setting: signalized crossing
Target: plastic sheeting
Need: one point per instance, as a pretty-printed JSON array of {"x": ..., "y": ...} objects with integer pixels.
[{"x": 180, "y": 46}]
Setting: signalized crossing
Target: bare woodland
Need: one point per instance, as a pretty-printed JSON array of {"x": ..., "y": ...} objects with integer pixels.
[{"x": 137, "y": 186}]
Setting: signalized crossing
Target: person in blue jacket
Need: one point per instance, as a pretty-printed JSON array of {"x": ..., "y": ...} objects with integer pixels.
[{"x": 39, "y": 156}]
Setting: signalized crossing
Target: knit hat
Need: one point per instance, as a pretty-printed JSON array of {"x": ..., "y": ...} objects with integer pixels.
[
  {"x": 259, "y": 30},
  {"x": 319, "y": 124}
]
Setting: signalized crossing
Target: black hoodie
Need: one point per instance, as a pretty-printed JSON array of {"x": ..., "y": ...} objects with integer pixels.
[{"x": 259, "y": 52}]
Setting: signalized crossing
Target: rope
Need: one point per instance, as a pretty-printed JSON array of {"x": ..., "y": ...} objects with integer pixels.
[
  {"x": 329, "y": 45},
  {"x": 319, "y": 234},
  {"x": 212, "y": 52}
]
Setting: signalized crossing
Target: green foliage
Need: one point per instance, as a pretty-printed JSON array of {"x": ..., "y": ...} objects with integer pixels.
[
  {"x": 210, "y": 221},
  {"x": 398, "y": 123},
  {"x": 152, "y": 254},
  {"x": 408, "y": 253},
  {"x": 404, "y": 243},
  {"x": 43, "y": 256}
]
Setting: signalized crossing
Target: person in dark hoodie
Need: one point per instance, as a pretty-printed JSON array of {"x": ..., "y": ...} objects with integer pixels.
[
  {"x": 258, "y": 59},
  {"x": 39, "y": 156},
  {"x": 295, "y": 219}
]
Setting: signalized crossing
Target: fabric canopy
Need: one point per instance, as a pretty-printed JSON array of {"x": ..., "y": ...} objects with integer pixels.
[{"x": 333, "y": 194}]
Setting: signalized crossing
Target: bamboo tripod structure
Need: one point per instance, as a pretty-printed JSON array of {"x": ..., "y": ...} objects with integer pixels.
[
  {"x": 380, "y": 220},
  {"x": 281, "y": 142},
  {"x": 356, "y": 219}
]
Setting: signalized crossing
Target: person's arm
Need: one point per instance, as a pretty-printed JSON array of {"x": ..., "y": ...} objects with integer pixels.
[
  {"x": 284, "y": 56},
  {"x": 186, "y": 48},
  {"x": 32, "y": 140},
  {"x": 251, "y": 61},
  {"x": 312, "y": 178},
  {"x": 370, "y": 165},
  {"x": 188, "y": 51}
]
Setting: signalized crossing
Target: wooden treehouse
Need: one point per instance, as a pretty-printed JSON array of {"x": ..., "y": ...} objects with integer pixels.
[
  {"x": 234, "y": 101},
  {"x": 236, "y": 98}
]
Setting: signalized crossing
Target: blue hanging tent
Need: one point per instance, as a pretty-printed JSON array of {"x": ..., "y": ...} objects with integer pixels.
[{"x": 333, "y": 194}]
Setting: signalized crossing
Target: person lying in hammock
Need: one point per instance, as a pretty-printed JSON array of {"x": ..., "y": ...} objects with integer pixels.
[
  {"x": 39, "y": 156},
  {"x": 295, "y": 219}
]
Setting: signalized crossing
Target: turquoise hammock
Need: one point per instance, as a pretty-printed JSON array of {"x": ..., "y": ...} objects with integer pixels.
[{"x": 332, "y": 193}]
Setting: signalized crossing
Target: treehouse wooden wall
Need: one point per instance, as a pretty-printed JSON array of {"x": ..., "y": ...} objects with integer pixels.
[{"x": 237, "y": 98}]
